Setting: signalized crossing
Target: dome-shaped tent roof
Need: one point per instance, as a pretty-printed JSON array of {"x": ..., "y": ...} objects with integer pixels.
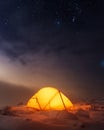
[{"x": 49, "y": 99}]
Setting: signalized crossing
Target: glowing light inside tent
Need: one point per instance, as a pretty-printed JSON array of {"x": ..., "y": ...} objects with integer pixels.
[{"x": 49, "y": 99}]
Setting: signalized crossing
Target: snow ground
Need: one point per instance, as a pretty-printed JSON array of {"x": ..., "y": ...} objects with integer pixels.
[{"x": 21, "y": 118}]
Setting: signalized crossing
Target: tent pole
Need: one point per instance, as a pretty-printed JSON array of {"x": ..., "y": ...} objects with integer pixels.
[
  {"x": 50, "y": 100},
  {"x": 62, "y": 100},
  {"x": 38, "y": 103}
]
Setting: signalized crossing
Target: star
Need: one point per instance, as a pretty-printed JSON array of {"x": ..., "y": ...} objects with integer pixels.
[
  {"x": 58, "y": 22},
  {"x": 73, "y": 19},
  {"x": 18, "y": 7},
  {"x": 6, "y": 22}
]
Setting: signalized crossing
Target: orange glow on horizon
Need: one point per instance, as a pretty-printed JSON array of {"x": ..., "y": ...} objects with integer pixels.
[{"x": 49, "y": 99}]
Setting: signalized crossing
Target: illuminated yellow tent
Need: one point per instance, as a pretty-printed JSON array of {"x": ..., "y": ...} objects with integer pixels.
[{"x": 49, "y": 99}]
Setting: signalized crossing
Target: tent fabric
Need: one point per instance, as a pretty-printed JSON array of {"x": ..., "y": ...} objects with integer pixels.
[{"x": 49, "y": 99}]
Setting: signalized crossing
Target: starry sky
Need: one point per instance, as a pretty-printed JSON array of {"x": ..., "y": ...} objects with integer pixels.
[{"x": 57, "y": 43}]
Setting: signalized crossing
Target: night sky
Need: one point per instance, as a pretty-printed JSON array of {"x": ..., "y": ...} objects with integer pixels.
[{"x": 58, "y": 43}]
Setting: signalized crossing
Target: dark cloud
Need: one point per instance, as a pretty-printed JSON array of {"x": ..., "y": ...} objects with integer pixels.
[
  {"x": 89, "y": 51},
  {"x": 53, "y": 43}
]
